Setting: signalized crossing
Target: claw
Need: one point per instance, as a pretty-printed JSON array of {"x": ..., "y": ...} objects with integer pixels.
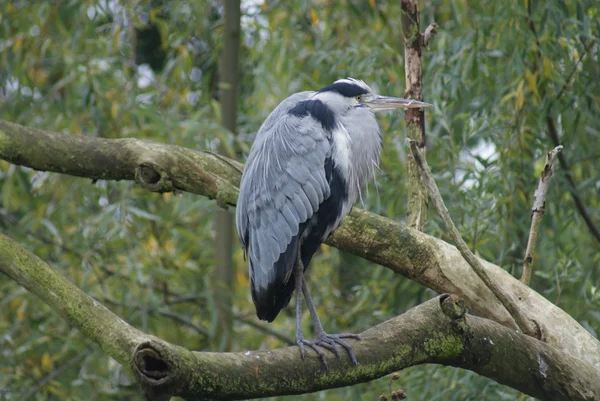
[{"x": 329, "y": 342}]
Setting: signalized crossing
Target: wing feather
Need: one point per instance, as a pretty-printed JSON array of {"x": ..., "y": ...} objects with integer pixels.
[
  {"x": 283, "y": 184},
  {"x": 312, "y": 194}
]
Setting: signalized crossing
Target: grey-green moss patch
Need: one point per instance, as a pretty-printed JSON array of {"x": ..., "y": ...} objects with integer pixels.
[{"x": 443, "y": 345}]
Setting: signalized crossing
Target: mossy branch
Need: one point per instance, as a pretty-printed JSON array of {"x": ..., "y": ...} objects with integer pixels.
[
  {"x": 430, "y": 261},
  {"x": 155, "y": 166},
  {"x": 117, "y": 338},
  {"x": 438, "y": 331}
]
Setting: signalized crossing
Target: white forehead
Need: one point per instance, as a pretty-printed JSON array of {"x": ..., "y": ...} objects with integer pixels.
[{"x": 353, "y": 81}]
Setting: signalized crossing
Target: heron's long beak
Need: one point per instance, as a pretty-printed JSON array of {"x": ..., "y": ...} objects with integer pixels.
[{"x": 383, "y": 103}]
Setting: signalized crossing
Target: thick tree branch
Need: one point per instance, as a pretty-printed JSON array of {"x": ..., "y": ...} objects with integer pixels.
[
  {"x": 414, "y": 118},
  {"x": 156, "y": 167},
  {"x": 437, "y": 331},
  {"x": 538, "y": 210},
  {"x": 427, "y": 260},
  {"x": 95, "y": 321},
  {"x": 510, "y": 304}
]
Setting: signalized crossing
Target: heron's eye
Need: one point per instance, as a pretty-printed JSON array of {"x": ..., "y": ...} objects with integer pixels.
[{"x": 358, "y": 98}]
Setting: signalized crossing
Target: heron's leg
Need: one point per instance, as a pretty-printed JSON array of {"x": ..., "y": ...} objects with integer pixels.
[
  {"x": 325, "y": 340},
  {"x": 298, "y": 277},
  {"x": 300, "y": 340}
]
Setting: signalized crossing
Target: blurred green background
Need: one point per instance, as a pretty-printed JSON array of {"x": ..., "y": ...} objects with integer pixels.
[{"x": 499, "y": 74}]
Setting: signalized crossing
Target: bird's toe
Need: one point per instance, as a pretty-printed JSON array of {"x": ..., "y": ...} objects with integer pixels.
[
  {"x": 347, "y": 347},
  {"x": 300, "y": 344},
  {"x": 316, "y": 347},
  {"x": 346, "y": 335}
]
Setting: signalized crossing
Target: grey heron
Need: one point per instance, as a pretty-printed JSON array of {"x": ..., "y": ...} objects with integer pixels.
[{"x": 306, "y": 168}]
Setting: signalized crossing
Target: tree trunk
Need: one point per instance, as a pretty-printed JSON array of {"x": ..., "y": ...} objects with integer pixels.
[
  {"x": 414, "y": 118},
  {"x": 224, "y": 274}
]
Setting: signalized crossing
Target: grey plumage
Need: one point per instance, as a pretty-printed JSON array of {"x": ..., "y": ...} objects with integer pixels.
[
  {"x": 307, "y": 167},
  {"x": 284, "y": 184}
]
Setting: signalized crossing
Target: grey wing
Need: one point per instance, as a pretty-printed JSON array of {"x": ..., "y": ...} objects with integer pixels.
[
  {"x": 284, "y": 182},
  {"x": 268, "y": 130}
]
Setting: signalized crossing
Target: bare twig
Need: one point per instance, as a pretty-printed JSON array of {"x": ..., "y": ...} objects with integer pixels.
[
  {"x": 573, "y": 70},
  {"x": 553, "y": 132},
  {"x": 178, "y": 317},
  {"x": 539, "y": 207},
  {"x": 55, "y": 373},
  {"x": 264, "y": 328},
  {"x": 102, "y": 252},
  {"x": 521, "y": 322},
  {"x": 199, "y": 328}
]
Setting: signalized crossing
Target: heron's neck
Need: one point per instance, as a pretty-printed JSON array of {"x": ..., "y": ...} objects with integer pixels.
[{"x": 364, "y": 136}]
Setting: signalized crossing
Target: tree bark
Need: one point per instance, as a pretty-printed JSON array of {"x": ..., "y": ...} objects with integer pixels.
[
  {"x": 437, "y": 331},
  {"x": 414, "y": 118},
  {"x": 418, "y": 256}
]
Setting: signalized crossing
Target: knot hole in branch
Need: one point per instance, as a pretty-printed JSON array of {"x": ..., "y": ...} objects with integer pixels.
[
  {"x": 150, "y": 364},
  {"x": 453, "y": 306},
  {"x": 153, "y": 179},
  {"x": 155, "y": 370}
]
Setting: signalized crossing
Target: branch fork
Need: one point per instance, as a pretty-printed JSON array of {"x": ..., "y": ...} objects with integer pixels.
[
  {"x": 424, "y": 334},
  {"x": 411, "y": 253},
  {"x": 525, "y": 325}
]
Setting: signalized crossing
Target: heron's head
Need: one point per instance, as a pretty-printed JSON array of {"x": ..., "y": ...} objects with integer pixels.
[{"x": 348, "y": 94}]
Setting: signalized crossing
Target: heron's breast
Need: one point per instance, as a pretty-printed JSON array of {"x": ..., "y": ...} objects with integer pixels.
[
  {"x": 342, "y": 155},
  {"x": 365, "y": 148}
]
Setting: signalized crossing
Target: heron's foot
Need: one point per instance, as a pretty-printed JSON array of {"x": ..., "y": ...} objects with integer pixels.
[{"x": 329, "y": 342}]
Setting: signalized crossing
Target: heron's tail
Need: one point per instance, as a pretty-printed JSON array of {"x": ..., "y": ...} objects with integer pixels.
[{"x": 272, "y": 288}]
